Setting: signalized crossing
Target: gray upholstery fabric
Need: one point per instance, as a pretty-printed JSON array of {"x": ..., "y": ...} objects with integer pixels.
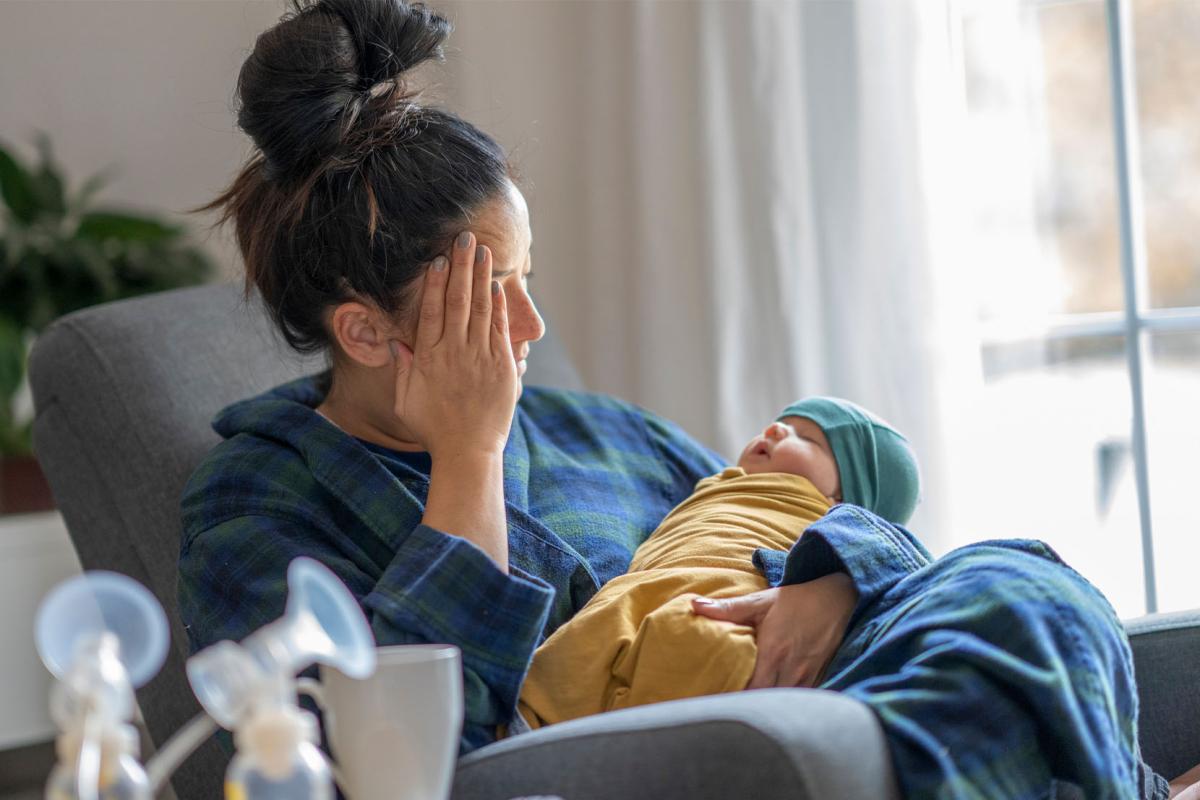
[
  {"x": 797, "y": 744},
  {"x": 124, "y": 394},
  {"x": 1166, "y": 661}
]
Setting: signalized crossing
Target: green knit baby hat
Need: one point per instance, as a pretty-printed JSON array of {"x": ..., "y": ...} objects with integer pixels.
[{"x": 876, "y": 465}]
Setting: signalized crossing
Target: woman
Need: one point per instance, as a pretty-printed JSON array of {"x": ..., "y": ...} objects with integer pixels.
[{"x": 458, "y": 507}]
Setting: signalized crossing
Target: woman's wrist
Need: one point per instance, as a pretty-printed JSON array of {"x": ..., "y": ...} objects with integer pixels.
[
  {"x": 466, "y": 499},
  {"x": 467, "y": 457},
  {"x": 841, "y": 585}
]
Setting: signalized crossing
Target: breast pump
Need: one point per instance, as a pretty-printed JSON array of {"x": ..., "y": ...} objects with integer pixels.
[
  {"x": 251, "y": 687},
  {"x": 102, "y": 634}
]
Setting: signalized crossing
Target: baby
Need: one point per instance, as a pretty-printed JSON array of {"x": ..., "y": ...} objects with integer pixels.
[{"x": 637, "y": 640}]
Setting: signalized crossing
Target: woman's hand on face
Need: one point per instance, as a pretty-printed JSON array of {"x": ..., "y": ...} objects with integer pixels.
[
  {"x": 457, "y": 388},
  {"x": 798, "y": 628}
]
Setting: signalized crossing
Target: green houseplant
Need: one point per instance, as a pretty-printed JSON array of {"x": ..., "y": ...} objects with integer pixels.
[{"x": 59, "y": 252}]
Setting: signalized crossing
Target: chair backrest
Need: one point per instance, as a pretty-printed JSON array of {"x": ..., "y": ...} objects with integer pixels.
[{"x": 124, "y": 394}]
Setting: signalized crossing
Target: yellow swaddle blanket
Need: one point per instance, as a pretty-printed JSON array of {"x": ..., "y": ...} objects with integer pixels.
[{"x": 637, "y": 641}]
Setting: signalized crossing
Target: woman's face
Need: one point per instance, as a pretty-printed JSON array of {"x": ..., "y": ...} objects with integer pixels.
[{"x": 503, "y": 227}]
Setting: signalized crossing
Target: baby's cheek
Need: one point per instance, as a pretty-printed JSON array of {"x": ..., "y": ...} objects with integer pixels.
[{"x": 834, "y": 484}]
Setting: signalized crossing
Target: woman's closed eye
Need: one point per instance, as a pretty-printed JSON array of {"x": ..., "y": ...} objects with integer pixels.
[{"x": 505, "y": 273}]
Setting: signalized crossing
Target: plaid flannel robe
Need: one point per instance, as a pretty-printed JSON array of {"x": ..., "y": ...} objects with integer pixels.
[
  {"x": 996, "y": 671},
  {"x": 586, "y": 479}
]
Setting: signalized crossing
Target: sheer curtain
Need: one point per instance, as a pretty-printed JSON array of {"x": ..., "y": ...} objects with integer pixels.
[{"x": 742, "y": 215}]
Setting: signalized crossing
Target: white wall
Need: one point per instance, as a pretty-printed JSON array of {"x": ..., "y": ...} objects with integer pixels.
[
  {"x": 144, "y": 86},
  {"x": 35, "y": 555},
  {"x": 528, "y": 97},
  {"x": 148, "y": 86},
  {"x": 556, "y": 83}
]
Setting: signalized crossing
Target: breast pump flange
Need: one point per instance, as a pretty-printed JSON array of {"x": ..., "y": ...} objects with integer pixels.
[
  {"x": 101, "y": 634},
  {"x": 250, "y": 687}
]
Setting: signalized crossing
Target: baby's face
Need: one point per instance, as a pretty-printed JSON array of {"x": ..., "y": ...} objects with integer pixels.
[{"x": 798, "y": 446}]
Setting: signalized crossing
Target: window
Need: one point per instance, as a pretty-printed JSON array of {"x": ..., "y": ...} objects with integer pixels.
[{"x": 1084, "y": 256}]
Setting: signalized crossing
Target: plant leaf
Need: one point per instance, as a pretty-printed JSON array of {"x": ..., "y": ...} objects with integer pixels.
[
  {"x": 157, "y": 269},
  {"x": 15, "y": 439},
  {"x": 16, "y": 186},
  {"x": 47, "y": 181},
  {"x": 93, "y": 264},
  {"x": 53, "y": 264},
  {"x": 126, "y": 227},
  {"x": 15, "y": 287},
  {"x": 14, "y": 248},
  {"x": 12, "y": 362},
  {"x": 79, "y": 202}
]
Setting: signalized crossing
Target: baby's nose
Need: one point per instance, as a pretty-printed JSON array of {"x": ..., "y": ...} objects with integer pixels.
[{"x": 776, "y": 430}]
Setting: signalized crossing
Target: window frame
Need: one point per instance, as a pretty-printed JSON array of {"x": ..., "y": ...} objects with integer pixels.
[{"x": 1136, "y": 321}]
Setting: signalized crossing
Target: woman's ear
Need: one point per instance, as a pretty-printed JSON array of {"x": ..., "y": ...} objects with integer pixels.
[{"x": 362, "y": 332}]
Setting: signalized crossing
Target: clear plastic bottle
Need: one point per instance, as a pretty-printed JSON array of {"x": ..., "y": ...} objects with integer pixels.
[
  {"x": 277, "y": 758},
  {"x": 101, "y": 634},
  {"x": 120, "y": 775}
]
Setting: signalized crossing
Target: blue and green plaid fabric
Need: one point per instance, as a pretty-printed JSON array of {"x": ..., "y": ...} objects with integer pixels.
[
  {"x": 586, "y": 479},
  {"x": 996, "y": 671}
]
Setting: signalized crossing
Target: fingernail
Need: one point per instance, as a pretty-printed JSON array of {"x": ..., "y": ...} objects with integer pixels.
[
  {"x": 495, "y": 287},
  {"x": 479, "y": 254},
  {"x": 394, "y": 348},
  {"x": 439, "y": 263},
  {"x": 702, "y": 601},
  {"x": 464, "y": 239}
]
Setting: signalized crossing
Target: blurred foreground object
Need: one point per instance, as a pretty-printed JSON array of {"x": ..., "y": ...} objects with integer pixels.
[
  {"x": 251, "y": 687},
  {"x": 101, "y": 634}
]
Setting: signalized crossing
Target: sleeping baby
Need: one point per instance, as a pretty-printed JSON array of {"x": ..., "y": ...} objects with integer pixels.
[{"x": 637, "y": 640}]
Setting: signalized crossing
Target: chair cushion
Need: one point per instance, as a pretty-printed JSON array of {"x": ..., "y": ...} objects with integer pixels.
[
  {"x": 790, "y": 744},
  {"x": 1166, "y": 652},
  {"x": 124, "y": 394}
]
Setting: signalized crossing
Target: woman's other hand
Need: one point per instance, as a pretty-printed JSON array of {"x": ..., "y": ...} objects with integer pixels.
[
  {"x": 457, "y": 388},
  {"x": 798, "y": 628}
]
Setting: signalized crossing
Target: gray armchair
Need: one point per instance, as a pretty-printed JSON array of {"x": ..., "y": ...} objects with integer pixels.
[{"x": 124, "y": 394}]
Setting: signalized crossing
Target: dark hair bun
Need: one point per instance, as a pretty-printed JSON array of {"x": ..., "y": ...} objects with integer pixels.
[
  {"x": 389, "y": 36},
  {"x": 323, "y": 67},
  {"x": 354, "y": 186}
]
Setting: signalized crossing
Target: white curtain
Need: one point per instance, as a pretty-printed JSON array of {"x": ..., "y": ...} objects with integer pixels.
[{"x": 743, "y": 215}]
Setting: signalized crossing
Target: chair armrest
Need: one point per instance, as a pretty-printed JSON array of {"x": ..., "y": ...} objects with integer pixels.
[
  {"x": 1166, "y": 663},
  {"x": 798, "y": 744}
]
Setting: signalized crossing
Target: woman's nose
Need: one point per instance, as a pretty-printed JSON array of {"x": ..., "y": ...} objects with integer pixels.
[{"x": 524, "y": 322}]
